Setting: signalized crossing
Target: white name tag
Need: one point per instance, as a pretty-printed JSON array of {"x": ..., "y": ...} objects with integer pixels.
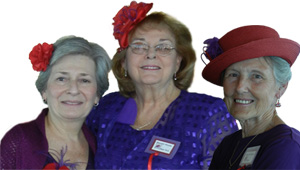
[
  {"x": 249, "y": 156},
  {"x": 166, "y": 147}
]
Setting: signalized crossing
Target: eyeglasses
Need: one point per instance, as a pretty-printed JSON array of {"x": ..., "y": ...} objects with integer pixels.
[{"x": 160, "y": 49}]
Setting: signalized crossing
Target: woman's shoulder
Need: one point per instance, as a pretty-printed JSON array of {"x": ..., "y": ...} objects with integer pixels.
[
  {"x": 28, "y": 130},
  {"x": 212, "y": 109},
  {"x": 210, "y": 105},
  {"x": 14, "y": 134},
  {"x": 112, "y": 97},
  {"x": 25, "y": 141},
  {"x": 284, "y": 133},
  {"x": 18, "y": 137},
  {"x": 109, "y": 106},
  {"x": 280, "y": 148},
  {"x": 200, "y": 97}
]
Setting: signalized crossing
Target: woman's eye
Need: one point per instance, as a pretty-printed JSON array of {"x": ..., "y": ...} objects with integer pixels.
[
  {"x": 142, "y": 47},
  {"x": 256, "y": 76},
  {"x": 137, "y": 46},
  {"x": 61, "y": 79},
  {"x": 85, "y": 81},
  {"x": 232, "y": 75}
]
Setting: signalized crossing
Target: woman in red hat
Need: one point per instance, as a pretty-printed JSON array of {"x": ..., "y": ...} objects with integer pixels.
[{"x": 252, "y": 63}]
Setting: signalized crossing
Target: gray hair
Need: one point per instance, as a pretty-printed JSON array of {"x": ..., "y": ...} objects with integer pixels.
[
  {"x": 281, "y": 69},
  {"x": 72, "y": 45}
]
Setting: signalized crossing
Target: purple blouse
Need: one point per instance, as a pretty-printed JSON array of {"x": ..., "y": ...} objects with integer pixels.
[
  {"x": 279, "y": 149},
  {"x": 25, "y": 146},
  {"x": 198, "y": 121}
]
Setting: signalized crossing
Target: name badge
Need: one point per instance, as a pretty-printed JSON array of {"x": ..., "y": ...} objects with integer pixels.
[
  {"x": 249, "y": 156},
  {"x": 165, "y": 147}
]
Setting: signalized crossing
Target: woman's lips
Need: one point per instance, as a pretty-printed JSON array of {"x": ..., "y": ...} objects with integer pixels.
[
  {"x": 72, "y": 102},
  {"x": 150, "y": 67},
  {"x": 243, "y": 101}
]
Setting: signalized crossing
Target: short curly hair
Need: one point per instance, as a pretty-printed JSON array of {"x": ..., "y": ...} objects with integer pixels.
[{"x": 183, "y": 38}]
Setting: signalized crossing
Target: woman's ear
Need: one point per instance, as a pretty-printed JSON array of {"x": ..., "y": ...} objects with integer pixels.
[
  {"x": 178, "y": 62},
  {"x": 44, "y": 96},
  {"x": 281, "y": 90},
  {"x": 97, "y": 99},
  {"x": 124, "y": 63}
]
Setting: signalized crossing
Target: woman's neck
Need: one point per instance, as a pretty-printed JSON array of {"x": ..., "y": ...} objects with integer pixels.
[
  {"x": 65, "y": 134},
  {"x": 67, "y": 130},
  {"x": 260, "y": 125},
  {"x": 156, "y": 93},
  {"x": 151, "y": 106},
  {"x": 150, "y": 98}
]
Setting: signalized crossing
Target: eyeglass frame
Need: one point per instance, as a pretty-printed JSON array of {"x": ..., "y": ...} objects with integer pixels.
[{"x": 146, "y": 51}]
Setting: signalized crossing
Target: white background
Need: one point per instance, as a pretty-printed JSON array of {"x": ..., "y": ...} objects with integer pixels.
[{"x": 25, "y": 23}]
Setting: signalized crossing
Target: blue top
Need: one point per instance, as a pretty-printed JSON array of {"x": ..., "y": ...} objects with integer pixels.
[
  {"x": 279, "y": 149},
  {"x": 198, "y": 121}
]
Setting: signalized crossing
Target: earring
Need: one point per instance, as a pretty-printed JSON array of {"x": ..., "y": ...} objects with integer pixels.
[
  {"x": 174, "y": 77},
  {"x": 45, "y": 101},
  {"x": 125, "y": 74},
  {"x": 96, "y": 104},
  {"x": 278, "y": 103}
]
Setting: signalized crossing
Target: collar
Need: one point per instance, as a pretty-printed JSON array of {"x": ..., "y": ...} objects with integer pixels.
[{"x": 128, "y": 113}]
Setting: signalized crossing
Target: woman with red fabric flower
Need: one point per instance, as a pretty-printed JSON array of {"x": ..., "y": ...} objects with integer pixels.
[
  {"x": 153, "y": 121},
  {"x": 73, "y": 76}
]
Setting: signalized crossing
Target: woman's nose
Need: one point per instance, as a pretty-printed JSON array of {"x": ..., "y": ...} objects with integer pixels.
[
  {"x": 151, "y": 54},
  {"x": 242, "y": 85},
  {"x": 73, "y": 87}
]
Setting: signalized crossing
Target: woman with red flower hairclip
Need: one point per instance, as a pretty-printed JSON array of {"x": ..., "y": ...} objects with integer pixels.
[
  {"x": 73, "y": 76},
  {"x": 153, "y": 122}
]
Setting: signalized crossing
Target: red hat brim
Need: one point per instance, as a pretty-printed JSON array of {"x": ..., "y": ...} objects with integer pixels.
[{"x": 280, "y": 47}]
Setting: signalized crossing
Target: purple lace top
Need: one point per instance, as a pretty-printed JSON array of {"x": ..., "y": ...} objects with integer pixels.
[
  {"x": 279, "y": 149},
  {"x": 25, "y": 146},
  {"x": 198, "y": 121}
]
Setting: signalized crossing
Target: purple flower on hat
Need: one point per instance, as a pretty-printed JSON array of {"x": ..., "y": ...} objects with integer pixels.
[{"x": 213, "y": 49}]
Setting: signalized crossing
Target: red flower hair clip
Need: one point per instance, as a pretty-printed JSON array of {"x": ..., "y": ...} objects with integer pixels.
[
  {"x": 40, "y": 56},
  {"x": 126, "y": 19}
]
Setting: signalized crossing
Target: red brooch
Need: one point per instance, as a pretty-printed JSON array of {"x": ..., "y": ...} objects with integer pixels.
[{"x": 55, "y": 166}]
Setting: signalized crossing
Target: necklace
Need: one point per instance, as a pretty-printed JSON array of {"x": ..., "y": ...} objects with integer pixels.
[
  {"x": 231, "y": 164},
  {"x": 141, "y": 127}
]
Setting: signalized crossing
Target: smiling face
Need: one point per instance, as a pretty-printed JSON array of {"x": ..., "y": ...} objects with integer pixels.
[
  {"x": 150, "y": 68},
  {"x": 250, "y": 89},
  {"x": 71, "y": 88}
]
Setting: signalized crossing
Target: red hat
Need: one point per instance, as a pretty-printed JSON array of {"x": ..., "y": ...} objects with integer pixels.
[{"x": 244, "y": 43}]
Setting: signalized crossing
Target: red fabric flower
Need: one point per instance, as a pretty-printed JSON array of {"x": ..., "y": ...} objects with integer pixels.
[
  {"x": 55, "y": 166},
  {"x": 40, "y": 56},
  {"x": 127, "y": 18}
]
